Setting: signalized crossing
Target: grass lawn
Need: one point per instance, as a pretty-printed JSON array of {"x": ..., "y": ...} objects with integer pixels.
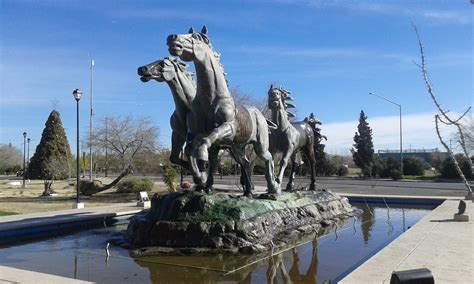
[
  {"x": 6, "y": 213},
  {"x": 354, "y": 172},
  {"x": 17, "y": 200},
  {"x": 428, "y": 175}
]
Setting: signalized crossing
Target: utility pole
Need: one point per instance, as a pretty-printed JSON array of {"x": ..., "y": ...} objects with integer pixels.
[
  {"x": 106, "y": 146},
  {"x": 401, "y": 137},
  {"x": 28, "y": 160},
  {"x": 24, "y": 160},
  {"x": 92, "y": 63}
]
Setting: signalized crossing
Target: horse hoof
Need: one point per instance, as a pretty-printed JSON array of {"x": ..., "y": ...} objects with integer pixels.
[
  {"x": 200, "y": 189},
  {"x": 209, "y": 190},
  {"x": 248, "y": 194}
]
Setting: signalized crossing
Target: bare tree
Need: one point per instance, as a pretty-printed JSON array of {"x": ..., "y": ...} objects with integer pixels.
[
  {"x": 443, "y": 118},
  {"x": 9, "y": 157},
  {"x": 126, "y": 138}
]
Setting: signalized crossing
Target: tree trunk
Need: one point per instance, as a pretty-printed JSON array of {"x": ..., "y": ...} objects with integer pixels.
[{"x": 124, "y": 173}]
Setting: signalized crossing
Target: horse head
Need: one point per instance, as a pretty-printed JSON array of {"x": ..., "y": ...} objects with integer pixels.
[
  {"x": 162, "y": 70},
  {"x": 278, "y": 100},
  {"x": 190, "y": 46}
]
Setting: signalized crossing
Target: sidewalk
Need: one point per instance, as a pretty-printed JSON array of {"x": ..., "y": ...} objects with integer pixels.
[
  {"x": 32, "y": 220},
  {"x": 436, "y": 242},
  {"x": 14, "y": 275}
]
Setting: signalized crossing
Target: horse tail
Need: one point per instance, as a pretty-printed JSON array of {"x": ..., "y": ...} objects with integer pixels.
[{"x": 313, "y": 122}]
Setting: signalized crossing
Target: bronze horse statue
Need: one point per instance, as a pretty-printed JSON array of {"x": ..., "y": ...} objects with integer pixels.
[
  {"x": 213, "y": 120},
  {"x": 290, "y": 137},
  {"x": 182, "y": 87}
]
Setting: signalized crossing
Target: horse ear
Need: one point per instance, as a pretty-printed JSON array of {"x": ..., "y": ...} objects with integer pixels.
[
  {"x": 191, "y": 30},
  {"x": 204, "y": 30},
  {"x": 271, "y": 86}
]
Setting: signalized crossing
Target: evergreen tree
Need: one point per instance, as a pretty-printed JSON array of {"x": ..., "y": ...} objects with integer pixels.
[
  {"x": 52, "y": 158},
  {"x": 363, "y": 154}
]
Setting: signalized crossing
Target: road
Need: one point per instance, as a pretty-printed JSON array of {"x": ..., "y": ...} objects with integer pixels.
[{"x": 348, "y": 185}]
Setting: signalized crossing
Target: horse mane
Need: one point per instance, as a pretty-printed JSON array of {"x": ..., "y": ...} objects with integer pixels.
[
  {"x": 286, "y": 96},
  {"x": 183, "y": 67},
  {"x": 217, "y": 55}
]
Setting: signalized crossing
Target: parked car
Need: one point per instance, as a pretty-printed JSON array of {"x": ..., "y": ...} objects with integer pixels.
[{"x": 20, "y": 173}]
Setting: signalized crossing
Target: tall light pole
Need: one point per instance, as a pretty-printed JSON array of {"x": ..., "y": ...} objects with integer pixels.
[
  {"x": 24, "y": 159},
  {"x": 401, "y": 139},
  {"x": 28, "y": 160},
  {"x": 90, "y": 121},
  {"x": 106, "y": 147},
  {"x": 77, "y": 96}
]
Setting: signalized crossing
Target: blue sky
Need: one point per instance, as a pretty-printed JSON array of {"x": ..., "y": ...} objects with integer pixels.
[{"x": 330, "y": 54}]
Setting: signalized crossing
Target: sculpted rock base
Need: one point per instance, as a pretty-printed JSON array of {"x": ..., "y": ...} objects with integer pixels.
[{"x": 189, "y": 222}]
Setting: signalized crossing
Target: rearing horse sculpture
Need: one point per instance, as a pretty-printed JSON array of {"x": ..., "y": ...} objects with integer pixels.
[
  {"x": 182, "y": 87},
  {"x": 213, "y": 121},
  {"x": 290, "y": 137}
]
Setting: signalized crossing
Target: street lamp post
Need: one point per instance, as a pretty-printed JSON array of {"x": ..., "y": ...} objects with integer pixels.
[
  {"x": 28, "y": 160},
  {"x": 90, "y": 123},
  {"x": 24, "y": 160},
  {"x": 77, "y": 96},
  {"x": 401, "y": 139}
]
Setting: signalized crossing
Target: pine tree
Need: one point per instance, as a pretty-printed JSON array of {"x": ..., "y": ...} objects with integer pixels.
[
  {"x": 363, "y": 155},
  {"x": 52, "y": 158}
]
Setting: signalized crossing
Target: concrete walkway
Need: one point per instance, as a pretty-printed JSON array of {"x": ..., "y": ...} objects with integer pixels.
[
  {"x": 436, "y": 242},
  {"x": 29, "y": 220},
  {"x": 14, "y": 275}
]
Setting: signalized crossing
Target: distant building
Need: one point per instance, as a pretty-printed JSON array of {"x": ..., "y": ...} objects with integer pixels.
[{"x": 426, "y": 155}]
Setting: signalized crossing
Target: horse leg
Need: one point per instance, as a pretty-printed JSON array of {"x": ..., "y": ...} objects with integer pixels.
[
  {"x": 224, "y": 130},
  {"x": 197, "y": 167},
  {"x": 177, "y": 143},
  {"x": 284, "y": 164},
  {"x": 239, "y": 155},
  {"x": 309, "y": 152},
  {"x": 291, "y": 184},
  {"x": 264, "y": 154},
  {"x": 213, "y": 153}
]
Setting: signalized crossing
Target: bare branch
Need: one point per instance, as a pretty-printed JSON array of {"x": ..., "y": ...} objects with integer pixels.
[{"x": 443, "y": 116}]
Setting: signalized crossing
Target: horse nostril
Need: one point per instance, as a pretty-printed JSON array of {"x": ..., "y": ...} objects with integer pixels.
[
  {"x": 142, "y": 70},
  {"x": 172, "y": 38}
]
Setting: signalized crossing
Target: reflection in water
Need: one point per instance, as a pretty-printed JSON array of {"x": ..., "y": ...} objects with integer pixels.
[
  {"x": 313, "y": 258},
  {"x": 310, "y": 275},
  {"x": 367, "y": 222}
]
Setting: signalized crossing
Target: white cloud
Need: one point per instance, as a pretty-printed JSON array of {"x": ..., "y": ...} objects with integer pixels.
[
  {"x": 407, "y": 9},
  {"x": 418, "y": 132}
]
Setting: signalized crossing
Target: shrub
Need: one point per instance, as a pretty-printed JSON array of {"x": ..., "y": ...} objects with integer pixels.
[
  {"x": 342, "y": 170},
  {"x": 87, "y": 187},
  {"x": 412, "y": 166},
  {"x": 169, "y": 177},
  {"x": 395, "y": 174},
  {"x": 385, "y": 168},
  {"x": 135, "y": 185},
  {"x": 259, "y": 169},
  {"x": 325, "y": 167},
  {"x": 12, "y": 169},
  {"x": 227, "y": 169},
  {"x": 448, "y": 169}
]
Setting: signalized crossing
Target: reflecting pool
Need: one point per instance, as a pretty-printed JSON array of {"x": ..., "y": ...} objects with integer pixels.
[{"x": 328, "y": 254}]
